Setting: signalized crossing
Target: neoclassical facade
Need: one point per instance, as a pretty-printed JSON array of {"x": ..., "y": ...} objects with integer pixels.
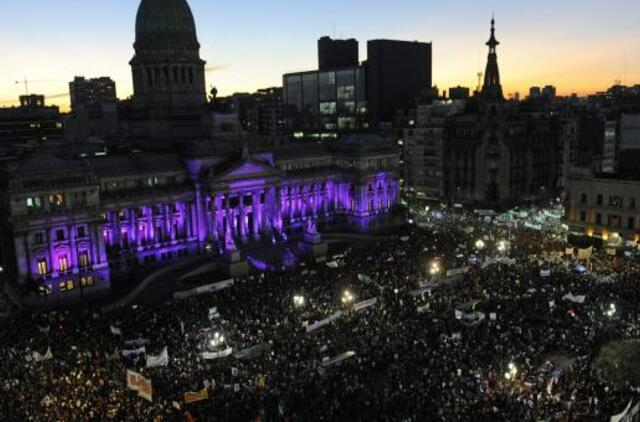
[{"x": 72, "y": 223}]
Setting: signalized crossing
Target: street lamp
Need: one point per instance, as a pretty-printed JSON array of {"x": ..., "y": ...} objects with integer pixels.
[
  {"x": 502, "y": 246},
  {"x": 298, "y": 301},
  {"x": 217, "y": 340},
  {"x": 510, "y": 375},
  {"x": 479, "y": 244},
  {"x": 434, "y": 268},
  {"x": 347, "y": 297}
]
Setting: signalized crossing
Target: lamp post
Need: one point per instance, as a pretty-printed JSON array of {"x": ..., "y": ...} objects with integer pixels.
[
  {"x": 298, "y": 301},
  {"x": 347, "y": 297}
]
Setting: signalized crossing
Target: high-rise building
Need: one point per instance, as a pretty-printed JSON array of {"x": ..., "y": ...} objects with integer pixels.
[
  {"x": 324, "y": 104},
  {"x": 535, "y": 92},
  {"x": 265, "y": 114},
  {"x": 630, "y": 132},
  {"x": 398, "y": 72},
  {"x": 459, "y": 93},
  {"x": 335, "y": 54},
  {"x": 94, "y": 110},
  {"x": 549, "y": 92},
  {"x": 86, "y": 92}
]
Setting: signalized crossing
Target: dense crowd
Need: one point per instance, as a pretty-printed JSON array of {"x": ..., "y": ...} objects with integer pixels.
[{"x": 529, "y": 359}]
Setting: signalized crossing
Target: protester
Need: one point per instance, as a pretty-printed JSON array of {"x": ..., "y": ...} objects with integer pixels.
[{"x": 529, "y": 359}]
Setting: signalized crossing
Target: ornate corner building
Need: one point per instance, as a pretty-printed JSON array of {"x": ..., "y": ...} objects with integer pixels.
[
  {"x": 495, "y": 155},
  {"x": 71, "y": 223}
]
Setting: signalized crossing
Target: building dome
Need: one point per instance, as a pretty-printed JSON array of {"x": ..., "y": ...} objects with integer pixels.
[{"x": 163, "y": 20}]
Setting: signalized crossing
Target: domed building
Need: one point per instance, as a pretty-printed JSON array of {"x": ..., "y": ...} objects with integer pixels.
[
  {"x": 69, "y": 225},
  {"x": 169, "y": 104}
]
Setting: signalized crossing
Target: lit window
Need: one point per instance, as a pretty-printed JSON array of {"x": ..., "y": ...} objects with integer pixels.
[
  {"x": 87, "y": 281},
  {"x": 34, "y": 202},
  {"x": 84, "y": 259},
  {"x": 66, "y": 286},
  {"x": 56, "y": 200},
  {"x": 42, "y": 267},
  {"x": 44, "y": 290},
  {"x": 63, "y": 263}
]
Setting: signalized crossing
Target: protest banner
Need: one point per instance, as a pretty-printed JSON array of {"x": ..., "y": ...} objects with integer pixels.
[
  {"x": 328, "y": 320},
  {"x": 216, "y": 355},
  {"x": 365, "y": 304},
  {"x": 585, "y": 254},
  {"x": 337, "y": 359},
  {"x": 140, "y": 384},
  {"x": 458, "y": 271},
  {"x": 196, "y": 396},
  {"x": 575, "y": 299},
  {"x": 159, "y": 360}
]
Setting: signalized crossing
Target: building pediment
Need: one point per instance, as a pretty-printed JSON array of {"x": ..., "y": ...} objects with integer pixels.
[{"x": 247, "y": 170}]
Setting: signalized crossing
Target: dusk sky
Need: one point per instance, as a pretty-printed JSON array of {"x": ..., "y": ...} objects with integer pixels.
[{"x": 578, "y": 45}]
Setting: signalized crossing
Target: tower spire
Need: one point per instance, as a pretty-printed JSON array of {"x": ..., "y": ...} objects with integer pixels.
[{"x": 492, "y": 90}]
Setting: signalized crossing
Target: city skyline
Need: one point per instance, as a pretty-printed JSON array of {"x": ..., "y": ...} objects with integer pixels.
[{"x": 590, "y": 44}]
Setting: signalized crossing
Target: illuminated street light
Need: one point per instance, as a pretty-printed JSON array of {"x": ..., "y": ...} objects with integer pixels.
[
  {"x": 502, "y": 246},
  {"x": 611, "y": 311},
  {"x": 217, "y": 340},
  {"x": 434, "y": 268},
  {"x": 347, "y": 297},
  {"x": 479, "y": 244},
  {"x": 298, "y": 301}
]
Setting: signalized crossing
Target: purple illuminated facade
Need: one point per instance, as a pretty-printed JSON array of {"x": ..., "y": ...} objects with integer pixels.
[{"x": 73, "y": 223}]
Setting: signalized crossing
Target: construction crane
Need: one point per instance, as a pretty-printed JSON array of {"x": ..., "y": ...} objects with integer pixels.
[{"x": 26, "y": 83}]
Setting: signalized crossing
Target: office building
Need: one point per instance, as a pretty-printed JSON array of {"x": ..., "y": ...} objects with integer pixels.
[
  {"x": 398, "y": 72},
  {"x": 629, "y": 132},
  {"x": 603, "y": 205},
  {"x": 31, "y": 123},
  {"x": 336, "y": 54},
  {"x": 322, "y": 105},
  {"x": 549, "y": 92},
  {"x": 94, "y": 109},
  {"x": 535, "y": 92}
]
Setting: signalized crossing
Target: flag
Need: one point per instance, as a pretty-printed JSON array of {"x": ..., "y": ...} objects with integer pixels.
[
  {"x": 160, "y": 360},
  {"x": 140, "y": 384},
  {"x": 116, "y": 331},
  {"x": 196, "y": 396}
]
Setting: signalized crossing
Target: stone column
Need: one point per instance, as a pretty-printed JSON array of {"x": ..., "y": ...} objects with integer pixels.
[
  {"x": 257, "y": 213},
  {"x": 52, "y": 261},
  {"x": 75, "y": 262},
  {"x": 227, "y": 209}
]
